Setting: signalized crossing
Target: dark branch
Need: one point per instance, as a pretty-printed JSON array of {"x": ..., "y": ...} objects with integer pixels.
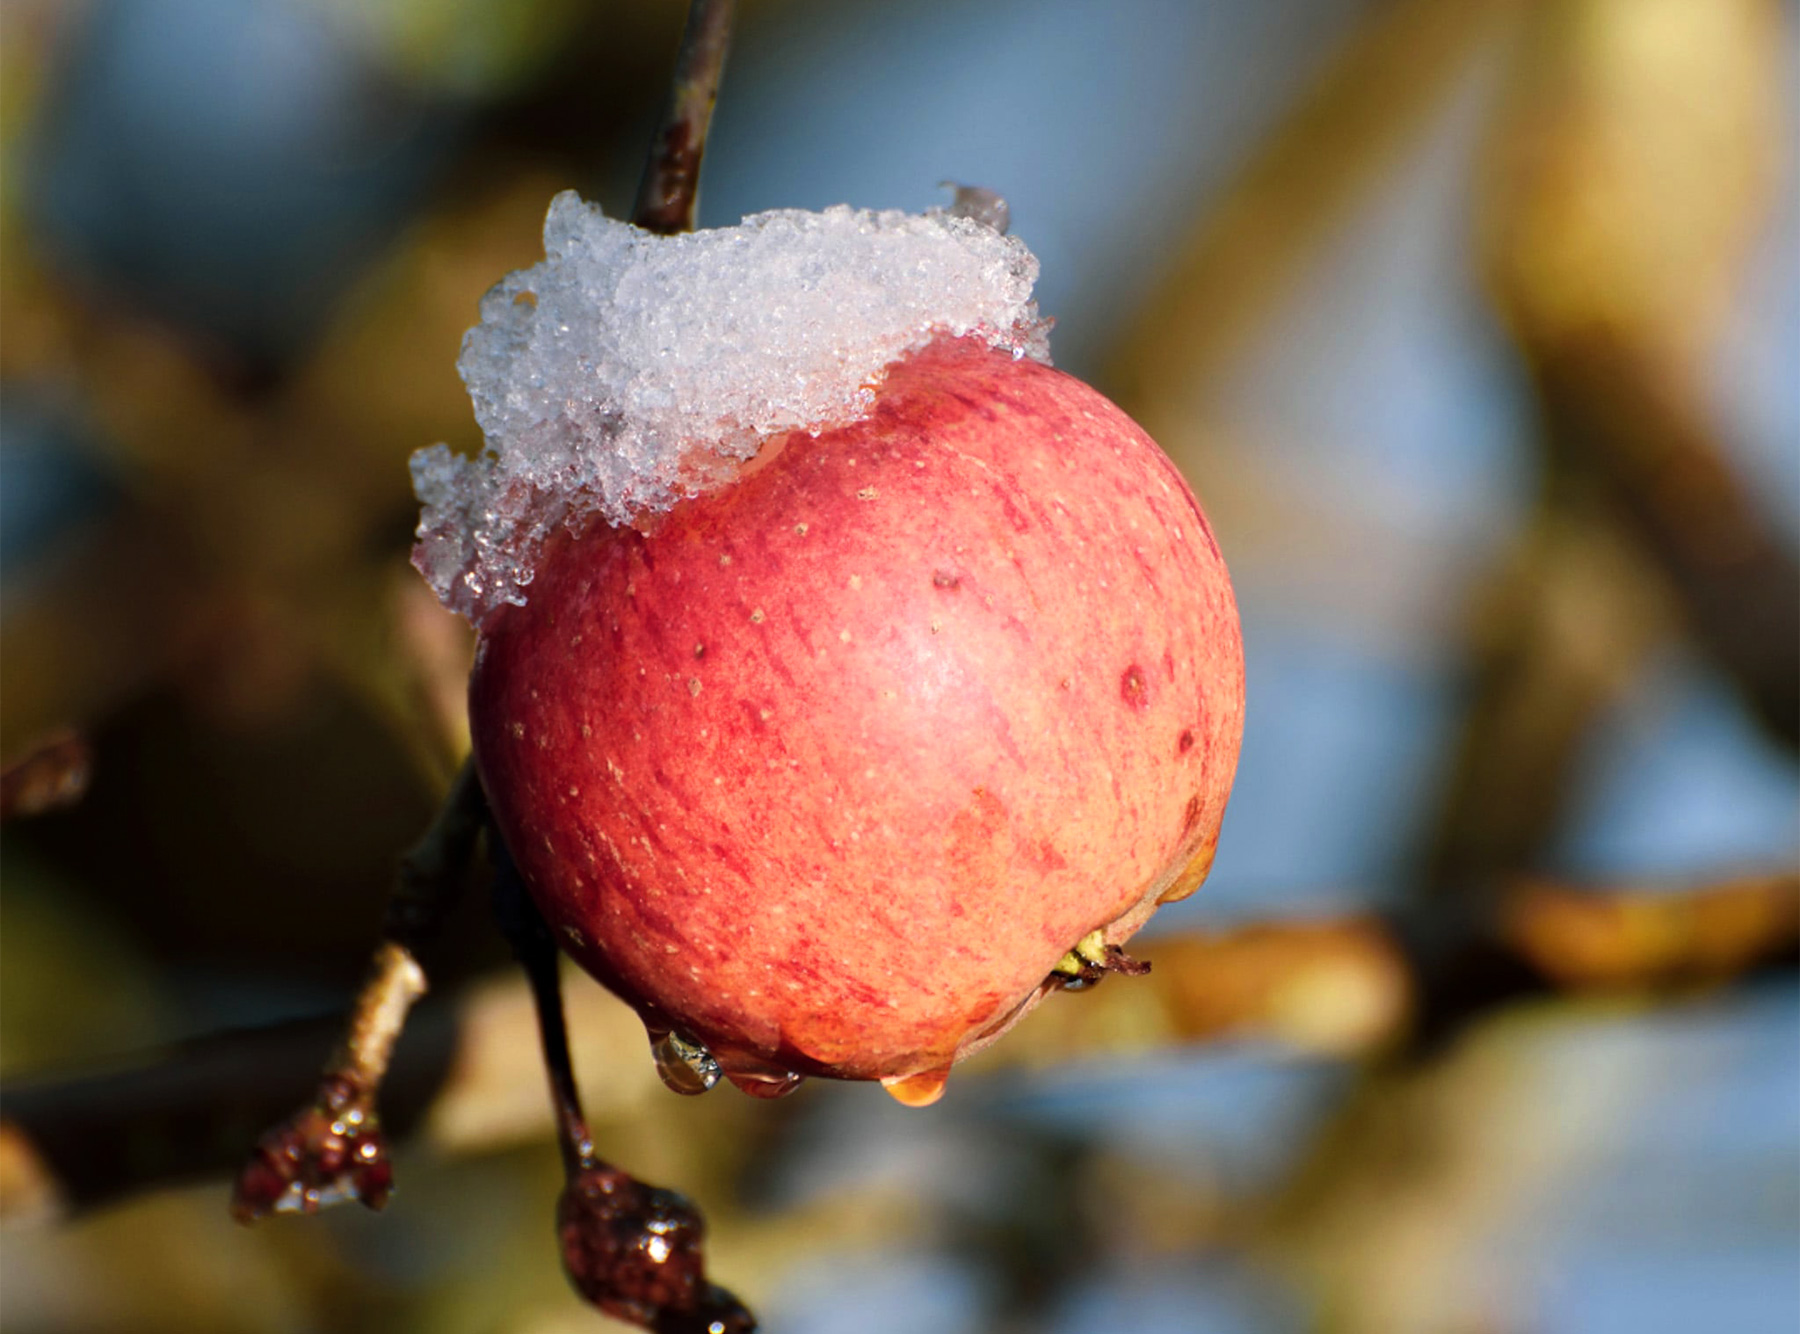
[
  {"x": 670, "y": 190},
  {"x": 433, "y": 872},
  {"x": 189, "y": 1112},
  {"x": 333, "y": 1148},
  {"x": 633, "y": 1250}
]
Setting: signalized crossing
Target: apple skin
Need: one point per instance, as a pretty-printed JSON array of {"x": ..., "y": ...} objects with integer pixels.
[{"x": 829, "y": 769}]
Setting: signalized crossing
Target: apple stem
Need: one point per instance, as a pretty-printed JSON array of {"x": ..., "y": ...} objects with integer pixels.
[
  {"x": 670, "y": 189},
  {"x": 535, "y": 949},
  {"x": 632, "y": 1249}
]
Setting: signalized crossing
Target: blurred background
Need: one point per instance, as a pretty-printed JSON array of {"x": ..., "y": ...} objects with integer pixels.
[{"x": 1477, "y": 328}]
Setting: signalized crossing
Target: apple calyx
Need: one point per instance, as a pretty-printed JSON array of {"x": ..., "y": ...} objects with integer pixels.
[{"x": 1091, "y": 959}]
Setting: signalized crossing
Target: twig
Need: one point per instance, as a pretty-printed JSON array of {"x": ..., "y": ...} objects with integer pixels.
[
  {"x": 633, "y": 1250},
  {"x": 1364, "y": 985},
  {"x": 333, "y": 1148},
  {"x": 534, "y": 947},
  {"x": 670, "y": 190}
]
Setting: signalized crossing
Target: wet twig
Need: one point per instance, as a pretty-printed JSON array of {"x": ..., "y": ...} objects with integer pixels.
[
  {"x": 333, "y": 1148},
  {"x": 633, "y": 1250}
]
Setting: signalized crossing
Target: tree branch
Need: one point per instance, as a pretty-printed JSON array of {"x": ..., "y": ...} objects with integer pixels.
[
  {"x": 1565, "y": 629},
  {"x": 632, "y": 1249},
  {"x": 1615, "y": 408},
  {"x": 334, "y": 1148},
  {"x": 670, "y": 190}
]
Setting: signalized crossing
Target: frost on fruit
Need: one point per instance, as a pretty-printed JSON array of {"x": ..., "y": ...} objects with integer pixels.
[{"x": 629, "y": 370}]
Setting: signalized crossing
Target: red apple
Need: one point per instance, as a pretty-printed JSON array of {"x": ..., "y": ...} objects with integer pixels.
[{"x": 829, "y": 770}]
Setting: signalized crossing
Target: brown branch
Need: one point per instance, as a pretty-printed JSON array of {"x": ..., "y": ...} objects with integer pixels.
[
  {"x": 334, "y": 1147},
  {"x": 1616, "y": 228},
  {"x": 670, "y": 190},
  {"x": 1612, "y": 406},
  {"x": 633, "y": 1250},
  {"x": 1623, "y": 942},
  {"x": 464, "y": 1078},
  {"x": 1363, "y": 985},
  {"x": 1562, "y": 633}
]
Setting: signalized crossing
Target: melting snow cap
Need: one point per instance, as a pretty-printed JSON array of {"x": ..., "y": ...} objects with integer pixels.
[{"x": 628, "y": 370}]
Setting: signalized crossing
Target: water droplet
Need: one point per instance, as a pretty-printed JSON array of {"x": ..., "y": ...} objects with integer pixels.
[
  {"x": 772, "y": 1084},
  {"x": 917, "y": 1090},
  {"x": 685, "y": 1065}
]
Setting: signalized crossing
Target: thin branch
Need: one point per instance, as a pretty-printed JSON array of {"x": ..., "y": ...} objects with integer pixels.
[
  {"x": 534, "y": 947},
  {"x": 670, "y": 190},
  {"x": 396, "y": 983},
  {"x": 634, "y": 1250},
  {"x": 333, "y": 1148}
]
